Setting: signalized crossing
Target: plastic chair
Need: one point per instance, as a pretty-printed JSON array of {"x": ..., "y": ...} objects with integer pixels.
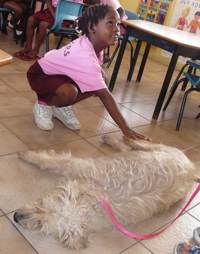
[
  {"x": 185, "y": 77},
  {"x": 130, "y": 15},
  {"x": 66, "y": 11}
]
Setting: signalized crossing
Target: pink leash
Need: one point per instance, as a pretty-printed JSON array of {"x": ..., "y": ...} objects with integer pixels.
[{"x": 144, "y": 236}]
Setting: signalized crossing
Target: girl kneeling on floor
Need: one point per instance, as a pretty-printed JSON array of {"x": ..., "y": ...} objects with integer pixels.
[{"x": 68, "y": 75}]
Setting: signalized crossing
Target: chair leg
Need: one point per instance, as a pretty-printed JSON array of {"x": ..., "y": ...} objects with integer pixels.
[
  {"x": 106, "y": 51},
  {"x": 172, "y": 91},
  {"x": 183, "y": 107},
  {"x": 131, "y": 47},
  {"x": 47, "y": 42},
  {"x": 60, "y": 41},
  {"x": 190, "y": 69},
  {"x": 106, "y": 55},
  {"x": 113, "y": 54}
]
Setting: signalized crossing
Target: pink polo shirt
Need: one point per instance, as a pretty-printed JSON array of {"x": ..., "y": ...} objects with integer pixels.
[{"x": 78, "y": 61}]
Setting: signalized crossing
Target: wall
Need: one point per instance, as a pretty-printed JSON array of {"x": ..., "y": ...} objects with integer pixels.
[{"x": 130, "y": 4}]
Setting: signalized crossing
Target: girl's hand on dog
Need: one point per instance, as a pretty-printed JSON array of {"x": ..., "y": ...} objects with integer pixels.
[{"x": 134, "y": 135}]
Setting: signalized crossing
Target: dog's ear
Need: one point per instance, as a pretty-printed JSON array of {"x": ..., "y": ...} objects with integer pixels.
[{"x": 75, "y": 240}]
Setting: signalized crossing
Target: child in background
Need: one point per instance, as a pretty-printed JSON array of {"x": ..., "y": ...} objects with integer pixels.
[
  {"x": 44, "y": 19},
  {"x": 195, "y": 24},
  {"x": 19, "y": 8},
  {"x": 182, "y": 21},
  {"x": 72, "y": 73}
]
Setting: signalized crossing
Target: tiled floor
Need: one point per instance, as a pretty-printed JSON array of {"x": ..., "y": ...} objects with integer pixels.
[{"x": 21, "y": 183}]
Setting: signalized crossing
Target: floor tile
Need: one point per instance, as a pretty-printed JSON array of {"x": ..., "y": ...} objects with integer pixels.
[
  {"x": 33, "y": 137},
  {"x": 79, "y": 148},
  {"x": 11, "y": 241},
  {"x": 16, "y": 81},
  {"x": 195, "y": 211},
  {"x": 182, "y": 229},
  {"x": 160, "y": 133},
  {"x": 92, "y": 124},
  {"x": 21, "y": 183},
  {"x": 29, "y": 95},
  {"x": 146, "y": 109},
  {"x": 189, "y": 131},
  {"x": 136, "y": 248},
  {"x": 4, "y": 88},
  {"x": 193, "y": 154},
  {"x": 9, "y": 142},
  {"x": 132, "y": 118},
  {"x": 94, "y": 101},
  {"x": 16, "y": 105}
]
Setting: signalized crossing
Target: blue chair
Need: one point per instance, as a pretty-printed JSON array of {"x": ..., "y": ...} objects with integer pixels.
[
  {"x": 185, "y": 77},
  {"x": 66, "y": 11},
  {"x": 130, "y": 15}
]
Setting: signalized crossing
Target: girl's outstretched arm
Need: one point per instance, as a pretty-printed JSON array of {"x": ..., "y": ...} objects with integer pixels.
[{"x": 112, "y": 108}]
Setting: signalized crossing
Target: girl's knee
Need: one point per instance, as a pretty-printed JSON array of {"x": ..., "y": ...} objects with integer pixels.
[
  {"x": 43, "y": 25},
  {"x": 31, "y": 21},
  {"x": 67, "y": 93}
]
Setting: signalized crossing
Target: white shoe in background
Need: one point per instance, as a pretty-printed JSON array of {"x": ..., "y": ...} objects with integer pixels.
[
  {"x": 67, "y": 117},
  {"x": 43, "y": 116}
]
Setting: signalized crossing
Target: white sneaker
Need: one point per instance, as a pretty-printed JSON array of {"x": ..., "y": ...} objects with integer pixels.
[
  {"x": 43, "y": 116},
  {"x": 67, "y": 117},
  {"x": 18, "y": 32}
]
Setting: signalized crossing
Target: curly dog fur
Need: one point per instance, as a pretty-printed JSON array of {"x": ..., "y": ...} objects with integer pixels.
[{"x": 141, "y": 180}]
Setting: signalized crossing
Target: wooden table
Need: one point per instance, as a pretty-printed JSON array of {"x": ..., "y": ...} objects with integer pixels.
[
  {"x": 5, "y": 58},
  {"x": 179, "y": 43}
]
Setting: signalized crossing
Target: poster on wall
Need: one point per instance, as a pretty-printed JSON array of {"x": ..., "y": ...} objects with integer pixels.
[{"x": 186, "y": 16}]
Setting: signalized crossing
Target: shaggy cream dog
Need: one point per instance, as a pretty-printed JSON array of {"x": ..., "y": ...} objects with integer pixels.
[{"x": 140, "y": 181}]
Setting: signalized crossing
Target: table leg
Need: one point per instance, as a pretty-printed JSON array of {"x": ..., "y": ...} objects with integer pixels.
[
  {"x": 134, "y": 60},
  {"x": 144, "y": 59},
  {"x": 118, "y": 61},
  {"x": 166, "y": 83}
]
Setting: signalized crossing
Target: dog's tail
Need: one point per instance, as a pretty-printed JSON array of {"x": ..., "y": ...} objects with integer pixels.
[{"x": 46, "y": 159}]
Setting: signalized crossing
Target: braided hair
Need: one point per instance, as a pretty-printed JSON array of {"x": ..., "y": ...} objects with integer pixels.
[{"x": 91, "y": 17}]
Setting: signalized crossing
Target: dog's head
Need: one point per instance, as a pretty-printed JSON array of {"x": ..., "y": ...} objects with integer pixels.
[{"x": 62, "y": 214}]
